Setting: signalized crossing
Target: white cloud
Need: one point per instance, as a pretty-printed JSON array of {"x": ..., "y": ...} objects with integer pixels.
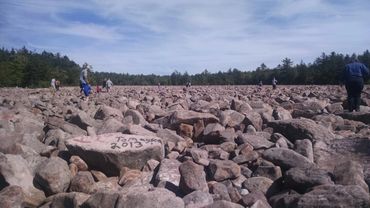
[{"x": 146, "y": 36}]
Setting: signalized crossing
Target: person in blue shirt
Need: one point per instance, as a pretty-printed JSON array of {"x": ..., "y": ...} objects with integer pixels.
[{"x": 353, "y": 78}]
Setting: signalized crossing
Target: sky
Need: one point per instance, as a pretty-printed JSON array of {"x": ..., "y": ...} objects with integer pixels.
[{"x": 160, "y": 36}]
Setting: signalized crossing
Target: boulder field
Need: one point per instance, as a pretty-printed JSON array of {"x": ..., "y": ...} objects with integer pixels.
[{"x": 201, "y": 146}]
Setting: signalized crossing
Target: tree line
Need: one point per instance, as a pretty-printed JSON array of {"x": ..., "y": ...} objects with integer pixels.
[{"x": 25, "y": 68}]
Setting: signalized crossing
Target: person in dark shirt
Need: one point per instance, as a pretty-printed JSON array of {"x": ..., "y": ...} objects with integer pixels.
[{"x": 353, "y": 78}]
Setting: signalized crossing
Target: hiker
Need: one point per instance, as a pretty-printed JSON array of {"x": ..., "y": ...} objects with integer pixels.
[
  {"x": 109, "y": 84},
  {"x": 104, "y": 84},
  {"x": 260, "y": 83},
  {"x": 274, "y": 83},
  {"x": 84, "y": 84},
  {"x": 188, "y": 84},
  {"x": 353, "y": 78},
  {"x": 52, "y": 84},
  {"x": 57, "y": 85}
]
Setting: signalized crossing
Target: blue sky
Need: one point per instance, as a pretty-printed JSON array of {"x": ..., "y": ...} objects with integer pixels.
[{"x": 151, "y": 36}]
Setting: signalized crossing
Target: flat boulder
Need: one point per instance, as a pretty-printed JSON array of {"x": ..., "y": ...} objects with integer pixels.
[
  {"x": 111, "y": 152},
  {"x": 333, "y": 196},
  {"x": 301, "y": 179},
  {"x": 302, "y": 128},
  {"x": 191, "y": 117},
  {"x": 156, "y": 198},
  {"x": 286, "y": 158}
]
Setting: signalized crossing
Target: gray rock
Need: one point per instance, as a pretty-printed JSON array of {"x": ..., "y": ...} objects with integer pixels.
[
  {"x": 105, "y": 199},
  {"x": 12, "y": 197},
  {"x": 304, "y": 147},
  {"x": 82, "y": 120},
  {"x": 223, "y": 204},
  {"x": 156, "y": 198},
  {"x": 231, "y": 118},
  {"x": 109, "y": 184},
  {"x": 137, "y": 117},
  {"x": 105, "y": 112},
  {"x": 72, "y": 199},
  {"x": 110, "y": 152},
  {"x": 301, "y": 179},
  {"x": 271, "y": 172},
  {"x": 15, "y": 172},
  {"x": 110, "y": 125},
  {"x": 332, "y": 196},
  {"x": 192, "y": 178},
  {"x": 253, "y": 118},
  {"x": 197, "y": 199},
  {"x": 220, "y": 170},
  {"x": 255, "y": 184},
  {"x": 191, "y": 117},
  {"x": 350, "y": 173},
  {"x": 82, "y": 182},
  {"x": 286, "y": 158},
  {"x": 168, "y": 173},
  {"x": 199, "y": 156},
  {"x": 257, "y": 142},
  {"x": 53, "y": 176},
  {"x": 301, "y": 129},
  {"x": 212, "y": 132},
  {"x": 221, "y": 190}
]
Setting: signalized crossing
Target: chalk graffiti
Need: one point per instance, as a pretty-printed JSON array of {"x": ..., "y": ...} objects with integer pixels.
[{"x": 132, "y": 142}]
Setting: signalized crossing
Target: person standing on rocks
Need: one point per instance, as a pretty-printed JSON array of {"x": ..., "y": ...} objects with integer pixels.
[
  {"x": 57, "y": 85},
  {"x": 84, "y": 84},
  {"x": 52, "y": 84},
  {"x": 104, "y": 84},
  {"x": 353, "y": 78},
  {"x": 274, "y": 83},
  {"x": 109, "y": 84}
]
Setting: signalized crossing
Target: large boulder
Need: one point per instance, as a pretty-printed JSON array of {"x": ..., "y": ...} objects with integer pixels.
[
  {"x": 301, "y": 179},
  {"x": 192, "y": 178},
  {"x": 105, "y": 199},
  {"x": 350, "y": 173},
  {"x": 82, "y": 120},
  {"x": 220, "y": 170},
  {"x": 257, "y": 142},
  {"x": 253, "y": 118},
  {"x": 357, "y": 116},
  {"x": 302, "y": 128},
  {"x": 12, "y": 197},
  {"x": 168, "y": 173},
  {"x": 197, "y": 199},
  {"x": 286, "y": 158},
  {"x": 156, "y": 198},
  {"x": 191, "y": 117},
  {"x": 105, "y": 112},
  {"x": 110, "y": 152},
  {"x": 14, "y": 171},
  {"x": 53, "y": 176},
  {"x": 333, "y": 196}
]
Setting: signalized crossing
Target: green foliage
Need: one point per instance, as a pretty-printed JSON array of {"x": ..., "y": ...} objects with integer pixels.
[{"x": 25, "y": 68}]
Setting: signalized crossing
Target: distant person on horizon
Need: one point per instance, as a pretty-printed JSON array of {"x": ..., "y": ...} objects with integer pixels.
[
  {"x": 274, "y": 83},
  {"x": 260, "y": 83},
  {"x": 52, "y": 84},
  {"x": 57, "y": 85},
  {"x": 353, "y": 78},
  {"x": 109, "y": 84},
  {"x": 104, "y": 84},
  {"x": 84, "y": 84}
]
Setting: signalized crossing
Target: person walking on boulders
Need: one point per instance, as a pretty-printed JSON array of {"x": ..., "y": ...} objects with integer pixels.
[{"x": 353, "y": 78}]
